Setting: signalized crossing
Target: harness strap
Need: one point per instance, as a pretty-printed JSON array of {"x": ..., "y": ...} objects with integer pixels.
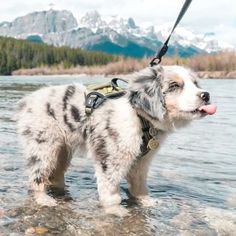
[
  {"x": 100, "y": 93},
  {"x": 92, "y": 101},
  {"x": 164, "y": 48},
  {"x": 149, "y": 137}
]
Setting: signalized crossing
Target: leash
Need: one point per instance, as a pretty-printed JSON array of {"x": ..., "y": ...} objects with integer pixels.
[{"x": 164, "y": 48}]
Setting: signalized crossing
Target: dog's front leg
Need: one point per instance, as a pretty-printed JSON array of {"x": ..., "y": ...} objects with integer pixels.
[
  {"x": 108, "y": 190},
  {"x": 108, "y": 185},
  {"x": 137, "y": 180}
]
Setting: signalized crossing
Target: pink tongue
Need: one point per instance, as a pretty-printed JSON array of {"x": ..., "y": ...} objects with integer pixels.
[{"x": 209, "y": 109}]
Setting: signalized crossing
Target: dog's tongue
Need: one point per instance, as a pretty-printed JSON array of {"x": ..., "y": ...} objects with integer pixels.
[{"x": 209, "y": 109}]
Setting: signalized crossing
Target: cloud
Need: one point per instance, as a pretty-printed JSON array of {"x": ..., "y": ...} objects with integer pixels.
[{"x": 226, "y": 33}]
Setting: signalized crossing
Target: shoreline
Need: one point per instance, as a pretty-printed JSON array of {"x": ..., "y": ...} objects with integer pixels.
[
  {"x": 75, "y": 72},
  {"x": 216, "y": 74}
]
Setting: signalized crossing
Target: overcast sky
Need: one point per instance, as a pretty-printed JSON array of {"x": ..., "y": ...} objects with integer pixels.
[{"x": 217, "y": 16}]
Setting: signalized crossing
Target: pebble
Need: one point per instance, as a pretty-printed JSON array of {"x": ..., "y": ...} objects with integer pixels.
[
  {"x": 36, "y": 230},
  {"x": 1, "y": 213}
]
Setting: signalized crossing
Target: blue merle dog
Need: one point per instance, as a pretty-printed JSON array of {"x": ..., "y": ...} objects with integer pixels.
[{"x": 53, "y": 124}]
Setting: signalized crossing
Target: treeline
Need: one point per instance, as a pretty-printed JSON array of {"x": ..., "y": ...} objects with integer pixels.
[
  {"x": 17, "y": 54},
  {"x": 219, "y": 65}
]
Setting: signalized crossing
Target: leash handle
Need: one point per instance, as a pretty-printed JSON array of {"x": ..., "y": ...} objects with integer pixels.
[{"x": 164, "y": 48}]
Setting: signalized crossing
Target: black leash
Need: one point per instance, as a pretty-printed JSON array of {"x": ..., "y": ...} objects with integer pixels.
[{"x": 164, "y": 48}]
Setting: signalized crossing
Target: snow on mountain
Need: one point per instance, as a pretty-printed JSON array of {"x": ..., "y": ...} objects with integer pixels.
[
  {"x": 111, "y": 34},
  {"x": 128, "y": 27},
  {"x": 206, "y": 42},
  {"x": 93, "y": 20}
]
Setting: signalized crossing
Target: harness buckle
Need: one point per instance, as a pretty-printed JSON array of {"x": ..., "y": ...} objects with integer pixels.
[
  {"x": 93, "y": 100},
  {"x": 153, "y": 132}
]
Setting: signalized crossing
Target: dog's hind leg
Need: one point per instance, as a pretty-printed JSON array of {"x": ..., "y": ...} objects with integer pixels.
[
  {"x": 47, "y": 164},
  {"x": 57, "y": 176}
]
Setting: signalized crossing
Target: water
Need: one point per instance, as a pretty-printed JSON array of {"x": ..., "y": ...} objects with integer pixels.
[{"x": 193, "y": 177}]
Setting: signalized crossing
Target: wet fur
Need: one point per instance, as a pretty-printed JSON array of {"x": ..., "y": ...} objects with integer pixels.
[{"x": 52, "y": 125}]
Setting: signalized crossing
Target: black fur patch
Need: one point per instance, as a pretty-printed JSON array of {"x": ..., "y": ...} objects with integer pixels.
[
  {"x": 91, "y": 130},
  {"x": 68, "y": 94},
  {"x": 151, "y": 89},
  {"x": 27, "y": 131},
  {"x": 101, "y": 152},
  {"x": 75, "y": 113},
  {"x": 50, "y": 111},
  {"x": 111, "y": 131},
  {"x": 132, "y": 97},
  {"x": 71, "y": 127},
  {"x": 33, "y": 160},
  {"x": 143, "y": 103},
  {"x": 146, "y": 104},
  {"x": 40, "y": 138},
  {"x": 38, "y": 179},
  {"x": 85, "y": 133}
]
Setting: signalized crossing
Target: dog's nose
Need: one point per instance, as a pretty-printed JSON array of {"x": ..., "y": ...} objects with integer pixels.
[{"x": 205, "y": 96}]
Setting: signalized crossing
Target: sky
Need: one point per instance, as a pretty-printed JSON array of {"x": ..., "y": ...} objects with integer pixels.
[{"x": 218, "y": 16}]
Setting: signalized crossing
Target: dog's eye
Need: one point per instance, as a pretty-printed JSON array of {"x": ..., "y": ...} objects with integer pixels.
[{"x": 173, "y": 86}]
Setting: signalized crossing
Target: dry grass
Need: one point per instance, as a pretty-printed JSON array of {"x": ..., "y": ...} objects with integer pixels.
[
  {"x": 123, "y": 66},
  {"x": 222, "y": 61},
  {"x": 222, "y": 64}
]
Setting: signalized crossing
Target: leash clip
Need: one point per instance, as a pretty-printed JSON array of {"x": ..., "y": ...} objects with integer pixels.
[{"x": 159, "y": 55}]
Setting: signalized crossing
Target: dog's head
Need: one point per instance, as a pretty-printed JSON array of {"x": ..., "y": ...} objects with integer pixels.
[{"x": 169, "y": 93}]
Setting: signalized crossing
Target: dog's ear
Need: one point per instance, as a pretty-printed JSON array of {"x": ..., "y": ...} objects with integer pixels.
[{"x": 145, "y": 92}]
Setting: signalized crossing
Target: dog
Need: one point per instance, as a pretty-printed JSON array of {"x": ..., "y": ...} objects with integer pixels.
[{"x": 52, "y": 125}]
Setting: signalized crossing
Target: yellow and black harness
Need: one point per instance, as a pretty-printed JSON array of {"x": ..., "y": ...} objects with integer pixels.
[{"x": 99, "y": 93}]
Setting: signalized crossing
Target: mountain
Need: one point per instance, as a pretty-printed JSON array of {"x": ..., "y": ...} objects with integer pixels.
[{"x": 113, "y": 35}]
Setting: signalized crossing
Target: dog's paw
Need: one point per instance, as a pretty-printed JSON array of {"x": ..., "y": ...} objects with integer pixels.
[
  {"x": 43, "y": 199},
  {"x": 147, "y": 201},
  {"x": 117, "y": 211}
]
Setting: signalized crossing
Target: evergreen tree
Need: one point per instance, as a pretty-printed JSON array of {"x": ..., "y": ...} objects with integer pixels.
[{"x": 16, "y": 54}]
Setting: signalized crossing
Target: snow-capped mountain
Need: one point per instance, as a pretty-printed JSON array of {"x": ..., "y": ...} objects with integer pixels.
[
  {"x": 111, "y": 34},
  {"x": 186, "y": 38}
]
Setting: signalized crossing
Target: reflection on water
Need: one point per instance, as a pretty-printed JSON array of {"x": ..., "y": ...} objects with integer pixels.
[{"x": 194, "y": 180}]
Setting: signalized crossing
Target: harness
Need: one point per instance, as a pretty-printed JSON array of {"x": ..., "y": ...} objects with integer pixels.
[
  {"x": 98, "y": 94},
  {"x": 150, "y": 140}
]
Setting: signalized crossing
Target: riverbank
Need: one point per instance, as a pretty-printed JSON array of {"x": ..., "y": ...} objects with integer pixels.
[
  {"x": 220, "y": 65},
  {"x": 92, "y": 71},
  {"x": 112, "y": 70},
  {"x": 217, "y": 74}
]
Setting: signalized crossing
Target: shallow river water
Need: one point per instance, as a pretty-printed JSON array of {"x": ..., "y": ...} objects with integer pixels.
[{"x": 193, "y": 177}]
